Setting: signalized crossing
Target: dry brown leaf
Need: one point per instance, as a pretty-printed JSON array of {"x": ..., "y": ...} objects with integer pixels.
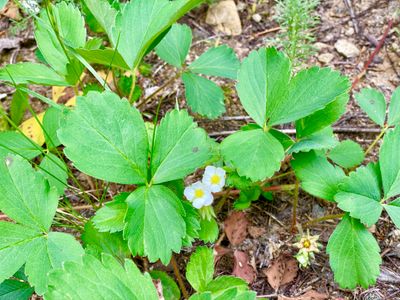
[
  {"x": 11, "y": 11},
  {"x": 310, "y": 295},
  {"x": 220, "y": 251},
  {"x": 282, "y": 270},
  {"x": 236, "y": 227},
  {"x": 255, "y": 231},
  {"x": 242, "y": 268}
]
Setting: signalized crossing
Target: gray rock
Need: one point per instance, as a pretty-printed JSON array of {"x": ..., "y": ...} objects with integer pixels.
[
  {"x": 347, "y": 48},
  {"x": 326, "y": 58},
  {"x": 225, "y": 17}
]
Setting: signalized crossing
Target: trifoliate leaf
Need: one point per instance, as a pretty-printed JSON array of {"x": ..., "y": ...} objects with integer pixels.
[
  {"x": 223, "y": 283},
  {"x": 200, "y": 268},
  {"x": 347, "y": 154},
  {"x": 255, "y": 154},
  {"x": 110, "y": 218},
  {"x": 318, "y": 177},
  {"x": 209, "y": 230},
  {"x": 180, "y": 147},
  {"x": 203, "y": 96},
  {"x": 107, "y": 57},
  {"x": 262, "y": 83},
  {"x": 322, "y": 118},
  {"x": 151, "y": 18},
  {"x": 389, "y": 161},
  {"x": 174, "y": 47},
  {"x": 170, "y": 289},
  {"x": 154, "y": 223},
  {"x": 283, "y": 138},
  {"x": 320, "y": 140},
  {"x": 31, "y": 73},
  {"x": 93, "y": 278},
  {"x": 394, "y": 108},
  {"x": 360, "y": 194},
  {"x": 353, "y": 254},
  {"x": 393, "y": 209},
  {"x": 105, "y": 242},
  {"x": 373, "y": 103},
  {"x": 55, "y": 171},
  {"x": 106, "y": 138},
  {"x": 218, "y": 61},
  {"x": 12, "y": 142}
]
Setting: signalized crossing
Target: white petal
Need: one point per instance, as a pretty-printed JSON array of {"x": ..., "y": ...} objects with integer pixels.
[
  {"x": 210, "y": 170},
  {"x": 215, "y": 188},
  {"x": 208, "y": 199},
  {"x": 198, "y": 203},
  {"x": 207, "y": 178},
  {"x": 220, "y": 172},
  {"x": 189, "y": 193},
  {"x": 198, "y": 185}
]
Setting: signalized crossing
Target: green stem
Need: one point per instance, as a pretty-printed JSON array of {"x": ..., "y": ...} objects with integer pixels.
[
  {"x": 376, "y": 140},
  {"x": 324, "y": 218},
  {"x": 133, "y": 86}
]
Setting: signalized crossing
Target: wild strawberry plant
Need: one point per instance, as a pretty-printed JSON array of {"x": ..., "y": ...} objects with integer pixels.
[{"x": 104, "y": 136}]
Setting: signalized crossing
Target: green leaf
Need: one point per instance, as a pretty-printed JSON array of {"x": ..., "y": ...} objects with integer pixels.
[
  {"x": 169, "y": 288},
  {"x": 12, "y": 142},
  {"x": 19, "y": 105},
  {"x": 255, "y": 154},
  {"x": 218, "y": 61},
  {"x": 262, "y": 83},
  {"x": 108, "y": 57},
  {"x": 347, "y": 154},
  {"x": 309, "y": 91},
  {"x": 55, "y": 171},
  {"x": 360, "y": 194},
  {"x": 394, "y": 108},
  {"x": 31, "y": 73},
  {"x": 270, "y": 96},
  {"x": 203, "y": 96},
  {"x": 105, "y": 242},
  {"x": 322, "y": 118},
  {"x": 393, "y": 209},
  {"x": 324, "y": 139},
  {"x": 110, "y": 218},
  {"x": 283, "y": 138},
  {"x": 151, "y": 18},
  {"x": 373, "y": 103},
  {"x": 192, "y": 224},
  {"x": 200, "y": 268},
  {"x": 104, "y": 14},
  {"x": 209, "y": 230},
  {"x": 202, "y": 296},
  {"x": 180, "y": 147},
  {"x": 174, "y": 47},
  {"x": 389, "y": 161},
  {"x": 318, "y": 177},
  {"x": 154, "y": 223},
  {"x": 93, "y": 278},
  {"x": 106, "y": 138},
  {"x": 3, "y": 4},
  {"x": 71, "y": 29},
  {"x": 34, "y": 205},
  {"x": 51, "y": 124},
  {"x": 353, "y": 254},
  {"x": 223, "y": 283},
  {"x": 13, "y": 289}
]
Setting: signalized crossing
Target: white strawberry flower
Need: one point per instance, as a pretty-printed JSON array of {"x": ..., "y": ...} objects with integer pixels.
[
  {"x": 199, "y": 194},
  {"x": 215, "y": 178}
]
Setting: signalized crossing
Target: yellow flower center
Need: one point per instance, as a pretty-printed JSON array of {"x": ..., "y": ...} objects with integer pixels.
[
  {"x": 198, "y": 193},
  {"x": 215, "y": 179},
  {"x": 306, "y": 244}
]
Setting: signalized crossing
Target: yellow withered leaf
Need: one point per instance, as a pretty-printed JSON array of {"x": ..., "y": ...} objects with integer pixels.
[
  {"x": 32, "y": 129},
  {"x": 58, "y": 92}
]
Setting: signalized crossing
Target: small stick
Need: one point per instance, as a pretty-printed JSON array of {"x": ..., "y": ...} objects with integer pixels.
[
  {"x": 352, "y": 16},
  {"x": 373, "y": 54},
  {"x": 179, "y": 278}
]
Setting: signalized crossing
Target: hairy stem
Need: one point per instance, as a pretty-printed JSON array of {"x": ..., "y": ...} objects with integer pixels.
[
  {"x": 324, "y": 218},
  {"x": 295, "y": 203},
  {"x": 179, "y": 278},
  {"x": 380, "y": 135}
]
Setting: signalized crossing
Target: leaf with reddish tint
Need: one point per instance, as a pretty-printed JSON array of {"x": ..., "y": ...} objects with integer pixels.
[
  {"x": 236, "y": 227},
  {"x": 282, "y": 270},
  {"x": 242, "y": 267}
]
